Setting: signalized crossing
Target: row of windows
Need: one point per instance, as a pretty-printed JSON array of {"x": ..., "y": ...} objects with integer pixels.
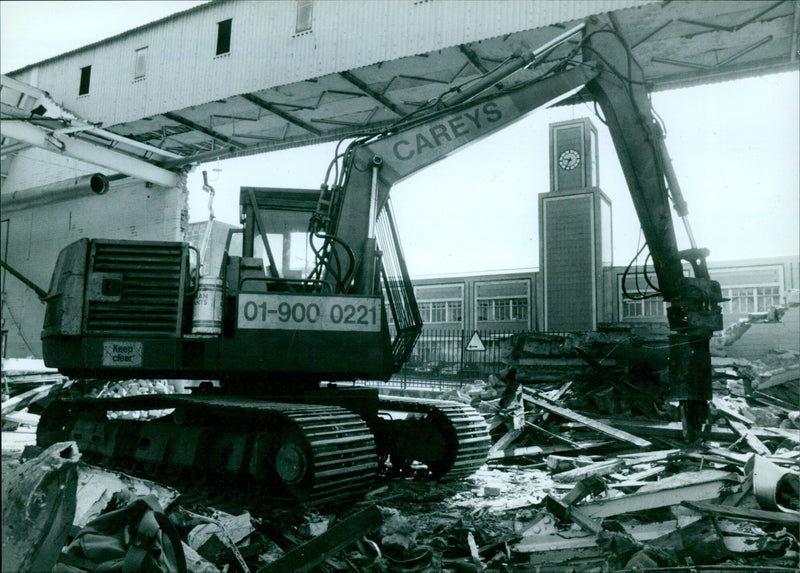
[
  {"x": 224, "y": 30},
  {"x": 750, "y": 299},
  {"x": 489, "y": 310},
  {"x": 743, "y": 300}
]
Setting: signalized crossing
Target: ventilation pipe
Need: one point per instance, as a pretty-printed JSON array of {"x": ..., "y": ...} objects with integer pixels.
[{"x": 88, "y": 185}]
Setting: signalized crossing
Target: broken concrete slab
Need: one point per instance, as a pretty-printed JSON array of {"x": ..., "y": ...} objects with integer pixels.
[
  {"x": 702, "y": 485},
  {"x": 398, "y": 532},
  {"x": 96, "y": 487},
  {"x": 577, "y": 539},
  {"x": 219, "y": 533},
  {"x": 196, "y": 563}
]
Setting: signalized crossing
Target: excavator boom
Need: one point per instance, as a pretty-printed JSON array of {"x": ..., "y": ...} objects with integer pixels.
[{"x": 602, "y": 66}]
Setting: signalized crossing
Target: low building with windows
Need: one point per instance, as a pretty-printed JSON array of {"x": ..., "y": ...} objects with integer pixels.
[
  {"x": 749, "y": 285},
  {"x": 495, "y": 305}
]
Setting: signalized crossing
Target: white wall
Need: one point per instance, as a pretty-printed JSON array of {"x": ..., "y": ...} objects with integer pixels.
[{"x": 32, "y": 238}]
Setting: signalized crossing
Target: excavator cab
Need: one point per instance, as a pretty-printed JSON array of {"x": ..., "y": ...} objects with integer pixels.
[{"x": 274, "y": 309}]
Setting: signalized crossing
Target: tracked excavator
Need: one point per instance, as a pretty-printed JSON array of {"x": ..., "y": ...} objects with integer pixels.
[{"x": 280, "y": 344}]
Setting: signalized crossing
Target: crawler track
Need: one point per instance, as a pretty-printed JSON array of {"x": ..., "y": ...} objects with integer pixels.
[
  {"x": 275, "y": 453},
  {"x": 452, "y": 439},
  {"x": 314, "y": 454}
]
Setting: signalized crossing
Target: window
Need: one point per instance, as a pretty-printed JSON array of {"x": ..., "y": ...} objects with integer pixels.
[
  {"x": 275, "y": 241},
  {"x": 503, "y": 309},
  {"x": 86, "y": 76},
  {"x": 745, "y": 300},
  {"x": 304, "y": 10},
  {"x": 639, "y": 308},
  {"x": 742, "y": 300},
  {"x": 502, "y": 301},
  {"x": 768, "y": 297},
  {"x": 438, "y": 312},
  {"x": 519, "y": 309},
  {"x": 484, "y": 309},
  {"x": 140, "y": 67},
  {"x": 632, "y": 308},
  {"x": 224, "y": 36},
  {"x": 440, "y": 303},
  {"x": 454, "y": 311}
]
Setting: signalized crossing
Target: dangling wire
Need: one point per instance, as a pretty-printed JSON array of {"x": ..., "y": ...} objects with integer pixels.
[{"x": 640, "y": 295}]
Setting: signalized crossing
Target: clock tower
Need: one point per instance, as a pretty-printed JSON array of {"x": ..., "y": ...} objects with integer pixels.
[
  {"x": 574, "y": 233},
  {"x": 573, "y": 155}
]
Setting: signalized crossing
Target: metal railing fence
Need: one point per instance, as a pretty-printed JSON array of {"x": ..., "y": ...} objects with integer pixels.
[{"x": 443, "y": 355}]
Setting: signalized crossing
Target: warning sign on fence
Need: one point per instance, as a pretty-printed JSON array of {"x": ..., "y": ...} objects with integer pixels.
[{"x": 475, "y": 343}]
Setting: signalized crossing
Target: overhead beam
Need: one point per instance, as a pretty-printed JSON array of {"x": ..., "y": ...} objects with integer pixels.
[
  {"x": 213, "y": 155},
  {"x": 473, "y": 58},
  {"x": 380, "y": 98},
  {"x": 88, "y": 152},
  {"x": 202, "y": 129},
  {"x": 272, "y": 108}
]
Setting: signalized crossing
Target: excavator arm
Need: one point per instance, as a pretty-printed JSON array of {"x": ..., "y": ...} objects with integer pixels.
[
  {"x": 602, "y": 66},
  {"x": 694, "y": 312}
]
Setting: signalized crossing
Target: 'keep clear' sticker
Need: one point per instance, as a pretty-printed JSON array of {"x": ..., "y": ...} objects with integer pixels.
[{"x": 122, "y": 353}]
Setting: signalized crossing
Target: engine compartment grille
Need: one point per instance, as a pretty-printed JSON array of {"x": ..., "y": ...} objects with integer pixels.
[{"x": 146, "y": 292}]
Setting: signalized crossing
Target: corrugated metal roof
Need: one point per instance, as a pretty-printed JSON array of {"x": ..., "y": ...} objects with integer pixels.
[{"x": 365, "y": 64}]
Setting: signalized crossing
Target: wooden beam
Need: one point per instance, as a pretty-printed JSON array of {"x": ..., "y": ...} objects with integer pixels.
[
  {"x": 751, "y": 439},
  {"x": 716, "y": 433},
  {"x": 779, "y": 517},
  {"x": 541, "y": 450},
  {"x": 601, "y": 468},
  {"x": 505, "y": 441},
  {"x": 313, "y": 552},
  {"x": 21, "y": 400},
  {"x": 594, "y": 424}
]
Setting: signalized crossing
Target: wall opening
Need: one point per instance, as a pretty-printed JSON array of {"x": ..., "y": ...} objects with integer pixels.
[
  {"x": 224, "y": 36},
  {"x": 86, "y": 76}
]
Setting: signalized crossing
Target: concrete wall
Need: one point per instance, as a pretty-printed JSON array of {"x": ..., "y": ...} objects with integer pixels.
[{"x": 30, "y": 239}]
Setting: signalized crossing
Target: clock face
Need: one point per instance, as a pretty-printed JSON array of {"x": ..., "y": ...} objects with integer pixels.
[{"x": 569, "y": 159}]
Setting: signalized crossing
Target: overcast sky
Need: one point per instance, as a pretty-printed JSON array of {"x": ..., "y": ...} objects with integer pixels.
[{"x": 735, "y": 147}]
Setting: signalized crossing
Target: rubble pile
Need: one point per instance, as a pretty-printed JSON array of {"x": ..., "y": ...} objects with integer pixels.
[{"x": 588, "y": 472}]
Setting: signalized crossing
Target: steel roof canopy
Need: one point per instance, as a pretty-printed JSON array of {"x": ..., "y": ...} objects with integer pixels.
[{"x": 678, "y": 44}]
